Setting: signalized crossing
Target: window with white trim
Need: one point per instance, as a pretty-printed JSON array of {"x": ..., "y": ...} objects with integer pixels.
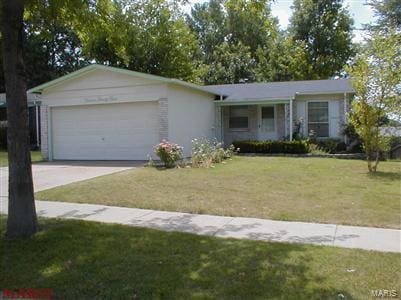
[
  {"x": 238, "y": 117},
  {"x": 268, "y": 119},
  {"x": 318, "y": 118}
]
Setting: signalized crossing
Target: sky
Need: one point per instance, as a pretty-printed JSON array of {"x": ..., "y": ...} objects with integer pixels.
[{"x": 281, "y": 9}]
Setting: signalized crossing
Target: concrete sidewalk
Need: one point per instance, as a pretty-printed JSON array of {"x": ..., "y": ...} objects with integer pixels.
[{"x": 385, "y": 240}]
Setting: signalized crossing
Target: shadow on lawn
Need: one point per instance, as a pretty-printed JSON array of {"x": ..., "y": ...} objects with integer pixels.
[
  {"x": 79, "y": 260},
  {"x": 391, "y": 176}
]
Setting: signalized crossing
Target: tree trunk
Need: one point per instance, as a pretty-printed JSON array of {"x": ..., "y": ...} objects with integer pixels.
[{"x": 22, "y": 220}]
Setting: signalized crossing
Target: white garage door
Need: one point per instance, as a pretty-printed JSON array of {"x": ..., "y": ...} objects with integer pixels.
[{"x": 125, "y": 131}]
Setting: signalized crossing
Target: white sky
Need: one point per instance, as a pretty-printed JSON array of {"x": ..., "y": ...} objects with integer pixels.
[{"x": 281, "y": 9}]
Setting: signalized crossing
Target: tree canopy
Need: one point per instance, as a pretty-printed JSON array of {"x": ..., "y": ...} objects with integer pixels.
[
  {"x": 325, "y": 28},
  {"x": 219, "y": 41}
]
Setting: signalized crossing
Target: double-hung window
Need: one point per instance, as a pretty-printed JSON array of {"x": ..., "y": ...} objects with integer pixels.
[
  {"x": 268, "y": 118},
  {"x": 238, "y": 117},
  {"x": 318, "y": 118}
]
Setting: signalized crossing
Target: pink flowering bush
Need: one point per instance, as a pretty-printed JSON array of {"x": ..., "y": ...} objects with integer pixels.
[{"x": 169, "y": 153}]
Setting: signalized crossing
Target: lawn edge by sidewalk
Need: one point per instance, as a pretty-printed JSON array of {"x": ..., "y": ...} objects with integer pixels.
[{"x": 89, "y": 259}]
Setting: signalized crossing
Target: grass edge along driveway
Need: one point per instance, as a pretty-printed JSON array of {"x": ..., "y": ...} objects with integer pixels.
[{"x": 319, "y": 190}]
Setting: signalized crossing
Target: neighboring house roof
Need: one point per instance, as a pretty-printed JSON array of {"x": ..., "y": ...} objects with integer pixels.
[
  {"x": 281, "y": 90},
  {"x": 32, "y": 99},
  {"x": 40, "y": 88},
  {"x": 390, "y": 131}
]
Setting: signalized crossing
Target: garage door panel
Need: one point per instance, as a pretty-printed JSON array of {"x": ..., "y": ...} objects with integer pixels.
[{"x": 105, "y": 132}]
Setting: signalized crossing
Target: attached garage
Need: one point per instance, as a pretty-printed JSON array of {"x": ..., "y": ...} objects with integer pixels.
[
  {"x": 126, "y": 131},
  {"x": 105, "y": 113}
]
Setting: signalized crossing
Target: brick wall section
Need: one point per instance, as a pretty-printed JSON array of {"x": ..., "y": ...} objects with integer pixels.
[
  {"x": 280, "y": 121},
  {"x": 44, "y": 131},
  {"x": 251, "y": 133},
  {"x": 163, "y": 118}
]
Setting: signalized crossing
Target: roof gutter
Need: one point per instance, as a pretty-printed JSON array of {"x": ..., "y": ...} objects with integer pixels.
[
  {"x": 251, "y": 102},
  {"x": 322, "y": 93}
]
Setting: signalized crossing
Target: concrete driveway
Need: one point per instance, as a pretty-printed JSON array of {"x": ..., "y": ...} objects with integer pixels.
[{"x": 51, "y": 174}]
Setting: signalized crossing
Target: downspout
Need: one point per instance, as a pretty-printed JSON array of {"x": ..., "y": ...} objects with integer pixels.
[{"x": 37, "y": 124}]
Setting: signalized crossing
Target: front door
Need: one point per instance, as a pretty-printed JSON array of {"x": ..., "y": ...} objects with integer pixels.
[{"x": 267, "y": 123}]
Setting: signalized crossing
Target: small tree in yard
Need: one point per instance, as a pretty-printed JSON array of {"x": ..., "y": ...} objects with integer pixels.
[{"x": 376, "y": 78}]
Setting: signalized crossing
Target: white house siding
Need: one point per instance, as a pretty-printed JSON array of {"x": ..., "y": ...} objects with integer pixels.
[
  {"x": 336, "y": 112},
  {"x": 100, "y": 87},
  {"x": 191, "y": 114}
]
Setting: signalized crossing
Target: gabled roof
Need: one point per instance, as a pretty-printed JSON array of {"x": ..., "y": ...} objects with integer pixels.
[
  {"x": 93, "y": 67},
  {"x": 281, "y": 90},
  {"x": 233, "y": 92}
]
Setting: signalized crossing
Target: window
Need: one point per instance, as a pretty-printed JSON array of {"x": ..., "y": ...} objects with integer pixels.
[
  {"x": 318, "y": 118},
  {"x": 238, "y": 117},
  {"x": 268, "y": 118}
]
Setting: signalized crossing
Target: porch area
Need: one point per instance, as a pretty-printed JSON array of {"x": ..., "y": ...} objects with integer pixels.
[{"x": 267, "y": 120}]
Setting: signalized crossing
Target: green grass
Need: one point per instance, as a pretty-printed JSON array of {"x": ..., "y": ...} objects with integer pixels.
[
  {"x": 87, "y": 260},
  {"x": 36, "y": 156},
  {"x": 303, "y": 189}
]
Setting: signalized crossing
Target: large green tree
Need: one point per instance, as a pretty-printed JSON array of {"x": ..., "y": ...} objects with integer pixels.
[
  {"x": 388, "y": 13},
  {"x": 148, "y": 36},
  {"x": 160, "y": 41},
  {"x": 239, "y": 27},
  {"x": 233, "y": 64},
  {"x": 285, "y": 60},
  {"x": 325, "y": 28},
  {"x": 209, "y": 23}
]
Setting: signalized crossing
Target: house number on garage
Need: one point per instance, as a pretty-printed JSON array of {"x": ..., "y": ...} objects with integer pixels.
[{"x": 101, "y": 99}]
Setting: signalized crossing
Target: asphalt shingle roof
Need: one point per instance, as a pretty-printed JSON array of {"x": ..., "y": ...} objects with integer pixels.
[{"x": 280, "y": 90}]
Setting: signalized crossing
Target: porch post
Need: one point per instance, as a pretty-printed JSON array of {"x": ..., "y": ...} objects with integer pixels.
[
  {"x": 290, "y": 121},
  {"x": 345, "y": 115},
  {"x": 37, "y": 124}
]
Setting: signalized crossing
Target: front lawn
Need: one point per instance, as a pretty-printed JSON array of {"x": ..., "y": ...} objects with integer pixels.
[
  {"x": 36, "y": 156},
  {"x": 87, "y": 260},
  {"x": 303, "y": 189}
]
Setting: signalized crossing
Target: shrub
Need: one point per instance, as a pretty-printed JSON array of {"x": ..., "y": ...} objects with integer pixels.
[
  {"x": 296, "y": 147},
  {"x": 354, "y": 140},
  {"x": 394, "y": 141},
  {"x": 230, "y": 151},
  {"x": 206, "y": 152},
  {"x": 330, "y": 145},
  {"x": 169, "y": 153},
  {"x": 316, "y": 149}
]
